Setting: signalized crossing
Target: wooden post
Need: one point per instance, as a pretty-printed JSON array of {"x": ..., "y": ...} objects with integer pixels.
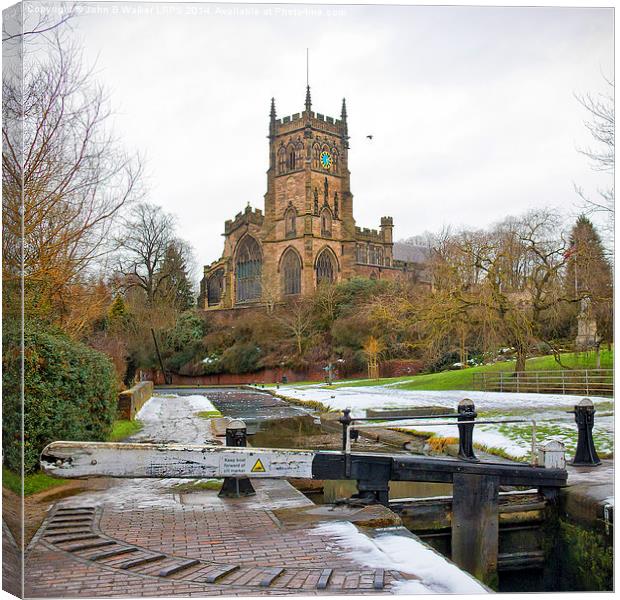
[
  {"x": 563, "y": 382},
  {"x": 167, "y": 378},
  {"x": 475, "y": 525}
]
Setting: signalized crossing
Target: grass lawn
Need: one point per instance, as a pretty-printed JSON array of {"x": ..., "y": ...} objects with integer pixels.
[
  {"x": 37, "y": 482},
  {"x": 462, "y": 379},
  {"x": 209, "y": 414},
  {"x": 123, "y": 429},
  {"x": 198, "y": 486}
]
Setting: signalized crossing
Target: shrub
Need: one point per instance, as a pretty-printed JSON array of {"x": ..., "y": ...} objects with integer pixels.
[
  {"x": 69, "y": 393},
  {"x": 241, "y": 358}
]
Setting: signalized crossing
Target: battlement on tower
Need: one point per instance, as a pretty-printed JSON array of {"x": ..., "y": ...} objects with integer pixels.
[
  {"x": 249, "y": 215},
  {"x": 368, "y": 235},
  {"x": 299, "y": 120},
  {"x": 372, "y": 235}
]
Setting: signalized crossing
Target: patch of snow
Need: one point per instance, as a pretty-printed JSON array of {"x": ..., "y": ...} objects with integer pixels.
[
  {"x": 358, "y": 399},
  {"x": 200, "y": 403},
  {"x": 151, "y": 409},
  {"x": 405, "y": 554},
  {"x": 549, "y": 411}
]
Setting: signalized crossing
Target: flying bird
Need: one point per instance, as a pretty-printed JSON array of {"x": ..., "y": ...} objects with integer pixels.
[{"x": 369, "y": 137}]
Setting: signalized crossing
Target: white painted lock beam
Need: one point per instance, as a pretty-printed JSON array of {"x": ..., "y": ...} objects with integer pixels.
[{"x": 107, "y": 459}]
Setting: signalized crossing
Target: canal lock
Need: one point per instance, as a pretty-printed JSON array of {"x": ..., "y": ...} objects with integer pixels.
[{"x": 538, "y": 551}]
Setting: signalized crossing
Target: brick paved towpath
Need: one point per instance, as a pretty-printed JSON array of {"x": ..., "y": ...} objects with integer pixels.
[{"x": 152, "y": 538}]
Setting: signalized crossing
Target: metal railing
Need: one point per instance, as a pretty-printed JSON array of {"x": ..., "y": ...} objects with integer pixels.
[{"x": 596, "y": 382}]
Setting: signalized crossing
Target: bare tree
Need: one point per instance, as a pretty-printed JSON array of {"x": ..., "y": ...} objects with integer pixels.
[
  {"x": 41, "y": 23},
  {"x": 504, "y": 286},
  {"x": 143, "y": 244},
  {"x": 270, "y": 292},
  {"x": 601, "y": 125},
  {"x": 296, "y": 318},
  {"x": 65, "y": 177}
]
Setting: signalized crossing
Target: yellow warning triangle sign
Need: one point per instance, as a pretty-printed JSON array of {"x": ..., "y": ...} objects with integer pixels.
[{"x": 258, "y": 467}]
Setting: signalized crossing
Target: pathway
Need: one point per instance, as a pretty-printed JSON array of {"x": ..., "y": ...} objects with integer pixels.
[{"x": 150, "y": 537}]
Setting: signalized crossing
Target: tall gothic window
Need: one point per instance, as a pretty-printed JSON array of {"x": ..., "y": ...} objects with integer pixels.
[
  {"x": 248, "y": 268},
  {"x": 362, "y": 255},
  {"x": 215, "y": 285},
  {"x": 325, "y": 267},
  {"x": 290, "y": 217},
  {"x": 282, "y": 160},
  {"x": 326, "y": 223},
  {"x": 375, "y": 255},
  {"x": 316, "y": 156},
  {"x": 290, "y": 162},
  {"x": 291, "y": 273}
]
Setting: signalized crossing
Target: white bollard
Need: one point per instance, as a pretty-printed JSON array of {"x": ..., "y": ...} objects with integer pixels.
[{"x": 552, "y": 455}]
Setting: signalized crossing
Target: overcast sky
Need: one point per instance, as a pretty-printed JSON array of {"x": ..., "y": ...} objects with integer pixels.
[{"x": 472, "y": 110}]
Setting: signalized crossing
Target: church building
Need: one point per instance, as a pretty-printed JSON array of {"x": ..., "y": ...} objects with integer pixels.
[{"x": 306, "y": 234}]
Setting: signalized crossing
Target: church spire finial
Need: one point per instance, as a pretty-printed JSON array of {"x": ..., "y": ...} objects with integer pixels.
[
  {"x": 272, "y": 112},
  {"x": 343, "y": 112},
  {"x": 308, "y": 99}
]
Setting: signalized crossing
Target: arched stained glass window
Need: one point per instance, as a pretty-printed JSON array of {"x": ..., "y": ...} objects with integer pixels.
[
  {"x": 291, "y": 273},
  {"x": 215, "y": 286},
  {"x": 248, "y": 268},
  {"x": 325, "y": 268}
]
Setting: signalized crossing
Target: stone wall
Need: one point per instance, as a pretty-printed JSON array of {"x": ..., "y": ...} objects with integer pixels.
[
  {"x": 264, "y": 376},
  {"x": 132, "y": 400},
  {"x": 400, "y": 368}
]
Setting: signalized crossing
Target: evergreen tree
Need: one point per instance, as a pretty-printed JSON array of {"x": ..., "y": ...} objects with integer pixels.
[
  {"x": 588, "y": 275},
  {"x": 118, "y": 310},
  {"x": 177, "y": 289}
]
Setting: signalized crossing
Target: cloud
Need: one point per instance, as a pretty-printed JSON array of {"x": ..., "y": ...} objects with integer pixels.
[{"x": 471, "y": 108}]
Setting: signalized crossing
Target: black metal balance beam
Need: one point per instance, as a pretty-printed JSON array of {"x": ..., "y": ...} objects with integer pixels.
[{"x": 376, "y": 467}]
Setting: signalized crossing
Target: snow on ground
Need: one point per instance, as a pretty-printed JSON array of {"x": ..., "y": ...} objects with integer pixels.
[
  {"x": 151, "y": 409},
  {"x": 549, "y": 411},
  {"x": 172, "y": 418},
  {"x": 403, "y": 553},
  {"x": 362, "y": 398}
]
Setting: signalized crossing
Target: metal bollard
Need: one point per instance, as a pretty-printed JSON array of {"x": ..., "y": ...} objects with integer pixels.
[
  {"x": 345, "y": 420},
  {"x": 467, "y": 412},
  {"x": 585, "y": 455},
  {"x": 236, "y": 487}
]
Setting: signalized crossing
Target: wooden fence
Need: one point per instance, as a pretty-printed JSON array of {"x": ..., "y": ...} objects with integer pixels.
[{"x": 595, "y": 382}]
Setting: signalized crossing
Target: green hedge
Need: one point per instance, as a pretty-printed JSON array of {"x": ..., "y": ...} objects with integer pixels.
[{"x": 69, "y": 394}]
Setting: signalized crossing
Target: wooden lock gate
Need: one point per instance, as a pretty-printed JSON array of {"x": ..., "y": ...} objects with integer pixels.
[{"x": 475, "y": 522}]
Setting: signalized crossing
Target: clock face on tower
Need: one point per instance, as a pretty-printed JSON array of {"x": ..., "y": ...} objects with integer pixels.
[{"x": 326, "y": 160}]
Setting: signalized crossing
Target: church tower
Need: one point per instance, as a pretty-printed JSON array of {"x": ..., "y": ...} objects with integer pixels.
[
  {"x": 308, "y": 166},
  {"x": 306, "y": 235},
  {"x": 308, "y": 200}
]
